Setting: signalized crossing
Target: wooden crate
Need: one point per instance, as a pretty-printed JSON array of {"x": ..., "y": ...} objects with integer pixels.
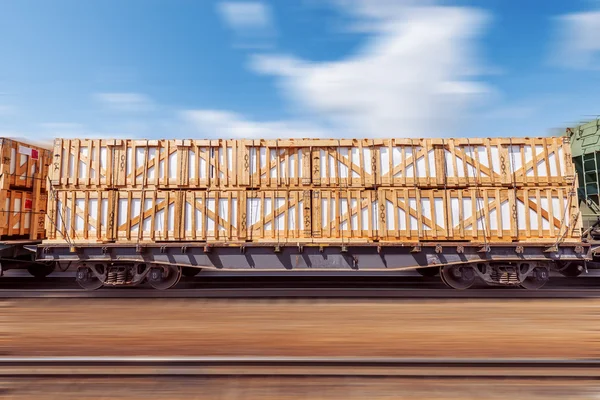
[
  {"x": 426, "y": 163},
  {"x": 273, "y": 164},
  {"x": 280, "y": 216},
  {"x": 412, "y": 215},
  {"x": 345, "y": 163},
  {"x": 137, "y": 164},
  {"x": 474, "y": 162},
  {"x": 476, "y": 214},
  {"x": 507, "y": 162},
  {"x": 21, "y": 216},
  {"x": 85, "y": 163},
  {"x": 168, "y": 215},
  {"x": 147, "y": 163},
  {"x": 520, "y": 214},
  {"x": 18, "y": 169},
  {"x": 480, "y": 214},
  {"x": 79, "y": 216},
  {"x": 402, "y": 215},
  {"x": 344, "y": 214},
  {"x": 108, "y": 164},
  {"x": 277, "y": 216},
  {"x": 147, "y": 216},
  {"x": 212, "y": 164}
]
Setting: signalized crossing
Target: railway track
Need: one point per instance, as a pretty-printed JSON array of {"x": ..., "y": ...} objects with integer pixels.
[
  {"x": 332, "y": 293},
  {"x": 279, "y": 286},
  {"x": 298, "y": 366}
]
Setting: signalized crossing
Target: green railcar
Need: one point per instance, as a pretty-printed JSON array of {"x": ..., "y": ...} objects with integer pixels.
[{"x": 585, "y": 148}]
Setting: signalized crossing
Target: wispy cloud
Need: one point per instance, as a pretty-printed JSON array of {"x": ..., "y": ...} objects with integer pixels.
[
  {"x": 43, "y": 134},
  {"x": 245, "y": 15},
  {"x": 578, "y": 40},
  {"x": 125, "y": 102},
  {"x": 40, "y": 141},
  {"x": 416, "y": 73},
  {"x": 225, "y": 124},
  {"x": 6, "y": 110},
  {"x": 251, "y": 22}
]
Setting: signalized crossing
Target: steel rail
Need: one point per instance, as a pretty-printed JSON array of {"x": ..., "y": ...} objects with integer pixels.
[
  {"x": 299, "y": 366},
  {"x": 325, "y": 293}
]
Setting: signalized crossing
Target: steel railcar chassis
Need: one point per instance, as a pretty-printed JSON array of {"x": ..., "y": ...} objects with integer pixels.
[{"x": 161, "y": 264}]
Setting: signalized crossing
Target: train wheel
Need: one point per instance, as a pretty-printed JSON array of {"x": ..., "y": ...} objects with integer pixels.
[
  {"x": 428, "y": 272},
  {"x": 571, "y": 269},
  {"x": 41, "y": 270},
  {"x": 163, "y": 278},
  {"x": 458, "y": 276},
  {"x": 536, "y": 278},
  {"x": 190, "y": 272},
  {"x": 87, "y": 280}
]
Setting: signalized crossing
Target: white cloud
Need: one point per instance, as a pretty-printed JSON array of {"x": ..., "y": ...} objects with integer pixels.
[
  {"x": 511, "y": 112},
  {"x": 39, "y": 139},
  {"x": 125, "y": 102},
  {"x": 578, "y": 40},
  {"x": 415, "y": 74},
  {"x": 224, "y": 124},
  {"x": 6, "y": 110},
  {"x": 245, "y": 15},
  {"x": 43, "y": 134},
  {"x": 251, "y": 22}
]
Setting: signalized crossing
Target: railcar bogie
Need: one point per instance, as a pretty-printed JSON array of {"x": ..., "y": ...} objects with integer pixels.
[{"x": 528, "y": 275}]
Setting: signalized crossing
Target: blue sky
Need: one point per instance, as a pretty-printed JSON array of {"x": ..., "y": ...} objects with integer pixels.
[{"x": 329, "y": 68}]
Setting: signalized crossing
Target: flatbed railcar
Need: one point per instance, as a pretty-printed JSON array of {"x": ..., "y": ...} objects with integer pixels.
[
  {"x": 98, "y": 183},
  {"x": 128, "y": 211},
  {"x": 162, "y": 264}
]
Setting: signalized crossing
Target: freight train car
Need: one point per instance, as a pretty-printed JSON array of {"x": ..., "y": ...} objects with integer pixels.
[
  {"x": 585, "y": 144},
  {"x": 127, "y": 211},
  {"x": 23, "y": 200}
]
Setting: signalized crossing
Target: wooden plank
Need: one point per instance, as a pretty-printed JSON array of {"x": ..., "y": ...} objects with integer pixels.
[
  {"x": 306, "y": 213},
  {"x": 317, "y": 217}
]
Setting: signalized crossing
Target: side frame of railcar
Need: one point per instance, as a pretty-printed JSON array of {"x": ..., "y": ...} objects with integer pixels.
[{"x": 460, "y": 263}]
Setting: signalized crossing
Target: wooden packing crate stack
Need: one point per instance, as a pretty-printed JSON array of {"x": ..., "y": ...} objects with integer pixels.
[
  {"x": 313, "y": 190},
  {"x": 23, "y": 190}
]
